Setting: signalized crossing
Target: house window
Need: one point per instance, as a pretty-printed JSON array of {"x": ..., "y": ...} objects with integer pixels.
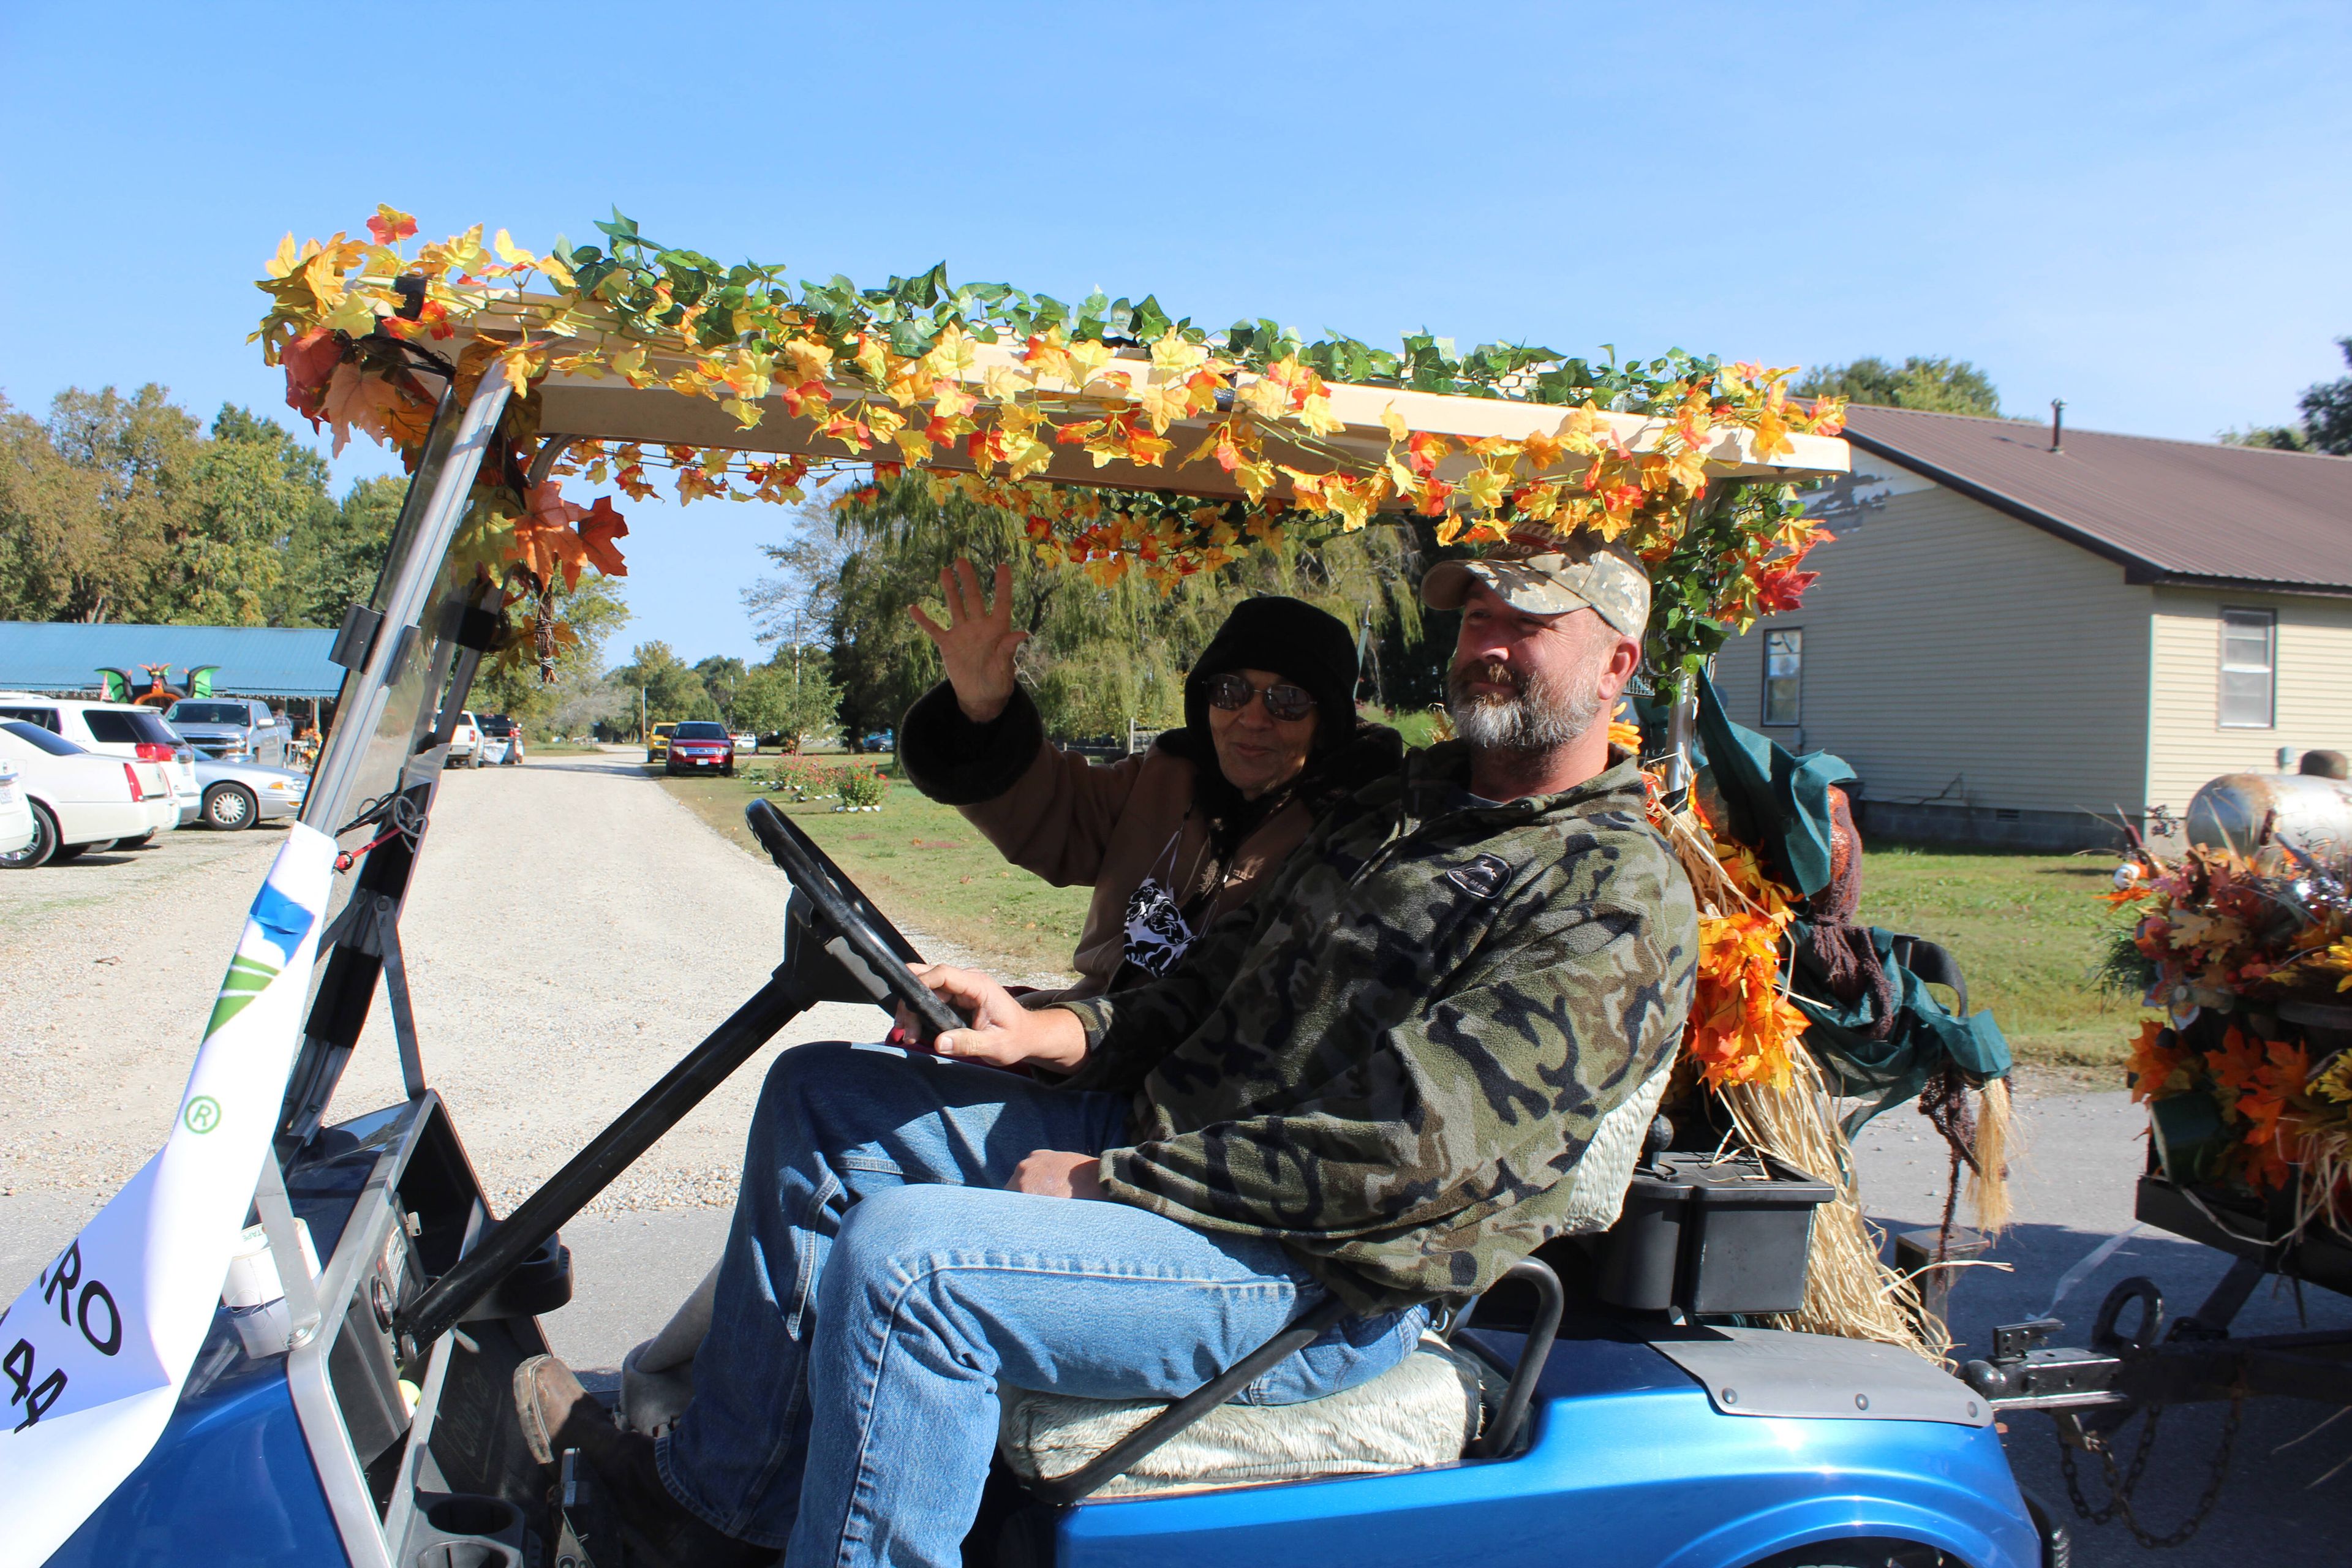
[
  {"x": 1784, "y": 676},
  {"x": 2248, "y": 668}
]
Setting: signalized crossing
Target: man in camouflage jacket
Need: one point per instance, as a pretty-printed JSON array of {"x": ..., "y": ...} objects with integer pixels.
[
  {"x": 1375, "y": 1082},
  {"x": 1393, "y": 1061}
]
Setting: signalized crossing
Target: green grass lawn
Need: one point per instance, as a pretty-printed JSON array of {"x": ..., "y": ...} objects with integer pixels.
[
  {"x": 2026, "y": 931},
  {"x": 923, "y": 864}
]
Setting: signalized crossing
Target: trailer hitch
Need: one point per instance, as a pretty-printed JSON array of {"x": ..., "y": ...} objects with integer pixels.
[{"x": 2025, "y": 1372}]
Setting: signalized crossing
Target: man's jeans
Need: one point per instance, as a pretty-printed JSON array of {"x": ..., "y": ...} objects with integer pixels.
[{"x": 879, "y": 1284}]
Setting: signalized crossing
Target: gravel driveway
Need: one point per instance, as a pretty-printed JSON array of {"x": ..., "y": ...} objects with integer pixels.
[
  {"x": 571, "y": 932},
  {"x": 111, "y": 963}
]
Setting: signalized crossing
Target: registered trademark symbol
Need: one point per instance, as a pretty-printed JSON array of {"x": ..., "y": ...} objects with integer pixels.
[{"x": 203, "y": 1114}]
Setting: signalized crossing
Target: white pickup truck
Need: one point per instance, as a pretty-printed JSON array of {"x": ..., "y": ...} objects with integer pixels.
[{"x": 232, "y": 730}]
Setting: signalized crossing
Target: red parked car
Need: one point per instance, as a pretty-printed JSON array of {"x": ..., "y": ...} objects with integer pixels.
[{"x": 701, "y": 745}]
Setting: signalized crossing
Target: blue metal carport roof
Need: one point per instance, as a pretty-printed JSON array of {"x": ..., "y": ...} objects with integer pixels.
[{"x": 254, "y": 661}]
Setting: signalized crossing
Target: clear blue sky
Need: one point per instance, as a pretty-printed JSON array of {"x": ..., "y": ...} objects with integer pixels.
[{"x": 2144, "y": 209}]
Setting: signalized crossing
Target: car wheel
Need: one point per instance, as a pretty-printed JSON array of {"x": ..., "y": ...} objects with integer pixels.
[
  {"x": 728, "y": 771},
  {"x": 43, "y": 847},
  {"x": 68, "y": 851},
  {"x": 230, "y": 806}
]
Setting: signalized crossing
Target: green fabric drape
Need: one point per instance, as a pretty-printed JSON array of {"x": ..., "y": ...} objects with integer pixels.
[
  {"x": 1778, "y": 803},
  {"x": 1926, "y": 1036}
]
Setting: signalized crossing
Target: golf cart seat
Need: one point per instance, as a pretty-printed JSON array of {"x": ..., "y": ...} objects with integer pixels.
[{"x": 1426, "y": 1410}]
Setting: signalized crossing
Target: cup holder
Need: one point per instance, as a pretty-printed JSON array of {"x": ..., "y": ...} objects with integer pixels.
[
  {"x": 469, "y": 1554},
  {"x": 462, "y": 1529}
]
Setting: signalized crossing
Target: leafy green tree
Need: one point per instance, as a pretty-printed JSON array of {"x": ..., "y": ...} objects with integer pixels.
[
  {"x": 722, "y": 676},
  {"x": 254, "y": 490},
  {"x": 1935, "y": 385},
  {"x": 672, "y": 689},
  {"x": 1098, "y": 655},
  {"x": 333, "y": 557},
  {"x": 118, "y": 509},
  {"x": 53, "y": 543},
  {"x": 792, "y": 695},
  {"x": 577, "y": 696},
  {"x": 2276, "y": 437},
  {"x": 2327, "y": 411},
  {"x": 102, "y": 550},
  {"x": 2325, "y": 425}
]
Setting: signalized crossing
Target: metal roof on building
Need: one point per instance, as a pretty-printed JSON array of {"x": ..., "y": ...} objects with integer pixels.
[
  {"x": 2191, "y": 511},
  {"x": 254, "y": 661}
]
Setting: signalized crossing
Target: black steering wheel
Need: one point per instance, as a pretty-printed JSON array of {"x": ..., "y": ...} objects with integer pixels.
[{"x": 843, "y": 948}]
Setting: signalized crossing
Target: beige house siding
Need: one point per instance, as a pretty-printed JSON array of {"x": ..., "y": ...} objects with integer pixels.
[
  {"x": 2312, "y": 694},
  {"x": 1956, "y": 655}
]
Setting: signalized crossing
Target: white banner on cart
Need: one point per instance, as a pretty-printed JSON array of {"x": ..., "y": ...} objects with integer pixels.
[{"x": 97, "y": 1346}]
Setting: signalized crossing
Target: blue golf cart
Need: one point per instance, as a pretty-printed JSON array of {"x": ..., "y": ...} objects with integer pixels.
[{"x": 1616, "y": 1401}]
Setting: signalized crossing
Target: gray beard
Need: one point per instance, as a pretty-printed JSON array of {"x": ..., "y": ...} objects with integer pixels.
[{"x": 1543, "y": 715}]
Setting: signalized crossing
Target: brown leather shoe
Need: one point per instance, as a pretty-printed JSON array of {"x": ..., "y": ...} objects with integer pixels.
[
  {"x": 557, "y": 1414},
  {"x": 556, "y": 1411}
]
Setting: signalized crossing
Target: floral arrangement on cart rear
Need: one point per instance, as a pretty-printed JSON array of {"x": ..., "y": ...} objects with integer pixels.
[{"x": 2247, "y": 951}]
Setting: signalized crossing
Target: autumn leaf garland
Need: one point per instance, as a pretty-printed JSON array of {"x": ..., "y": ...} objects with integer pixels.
[{"x": 895, "y": 379}]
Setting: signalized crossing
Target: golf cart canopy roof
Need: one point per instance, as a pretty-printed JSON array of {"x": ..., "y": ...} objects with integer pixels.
[{"x": 607, "y": 406}]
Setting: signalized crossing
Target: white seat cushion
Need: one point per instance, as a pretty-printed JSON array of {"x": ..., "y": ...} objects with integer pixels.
[
  {"x": 1606, "y": 1168},
  {"x": 1423, "y": 1411}
]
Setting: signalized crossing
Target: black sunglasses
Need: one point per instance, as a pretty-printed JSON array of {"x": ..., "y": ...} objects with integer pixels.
[{"x": 1283, "y": 701}]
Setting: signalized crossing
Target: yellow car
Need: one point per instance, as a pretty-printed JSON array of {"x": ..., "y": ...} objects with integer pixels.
[{"x": 658, "y": 748}]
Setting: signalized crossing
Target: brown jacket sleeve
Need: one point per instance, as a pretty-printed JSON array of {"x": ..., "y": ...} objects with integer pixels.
[{"x": 1045, "y": 810}]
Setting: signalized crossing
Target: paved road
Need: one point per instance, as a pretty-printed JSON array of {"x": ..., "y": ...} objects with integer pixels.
[
  {"x": 574, "y": 929},
  {"x": 2074, "y": 1190}
]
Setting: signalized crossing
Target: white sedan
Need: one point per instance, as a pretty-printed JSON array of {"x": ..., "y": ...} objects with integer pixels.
[
  {"x": 239, "y": 794},
  {"x": 78, "y": 799},
  {"x": 16, "y": 811}
]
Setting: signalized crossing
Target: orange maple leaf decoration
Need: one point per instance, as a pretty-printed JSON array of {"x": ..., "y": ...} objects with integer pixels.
[
  {"x": 310, "y": 362},
  {"x": 2237, "y": 1066},
  {"x": 390, "y": 226},
  {"x": 2271, "y": 1123},
  {"x": 1743, "y": 1028},
  {"x": 2156, "y": 1055},
  {"x": 598, "y": 530},
  {"x": 546, "y": 541},
  {"x": 1779, "y": 586}
]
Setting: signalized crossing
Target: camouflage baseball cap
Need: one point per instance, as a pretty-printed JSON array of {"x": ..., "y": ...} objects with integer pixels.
[{"x": 1545, "y": 576}]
